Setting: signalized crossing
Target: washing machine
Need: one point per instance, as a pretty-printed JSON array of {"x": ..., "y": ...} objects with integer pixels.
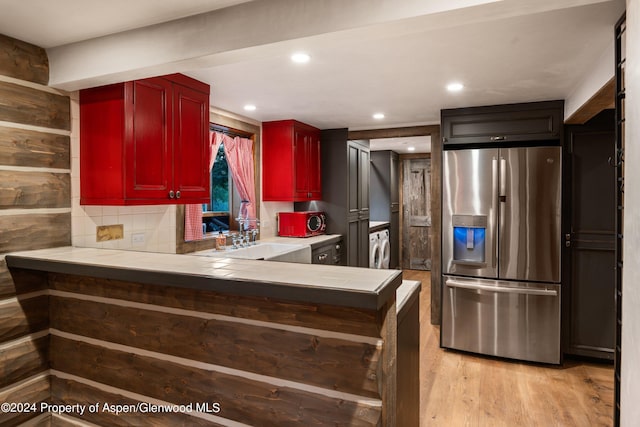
[
  {"x": 385, "y": 248},
  {"x": 375, "y": 260}
]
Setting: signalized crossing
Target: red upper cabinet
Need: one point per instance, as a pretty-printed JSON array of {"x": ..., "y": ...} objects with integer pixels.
[
  {"x": 290, "y": 162},
  {"x": 145, "y": 142}
]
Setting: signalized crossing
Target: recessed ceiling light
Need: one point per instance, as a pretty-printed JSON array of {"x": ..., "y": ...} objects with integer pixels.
[
  {"x": 300, "y": 58},
  {"x": 411, "y": 148},
  {"x": 250, "y": 107},
  {"x": 455, "y": 87},
  {"x": 378, "y": 116}
]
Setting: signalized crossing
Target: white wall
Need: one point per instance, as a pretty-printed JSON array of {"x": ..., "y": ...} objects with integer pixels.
[
  {"x": 596, "y": 77},
  {"x": 157, "y": 223},
  {"x": 630, "y": 416}
]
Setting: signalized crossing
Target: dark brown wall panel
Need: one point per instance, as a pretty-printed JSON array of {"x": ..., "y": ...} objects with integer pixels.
[
  {"x": 25, "y": 105},
  {"x": 32, "y": 392},
  {"x": 242, "y": 399},
  {"x": 7, "y": 288},
  {"x": 325, "y": 362},
  {"x": 34, "y": 149},
  {"x": 20, "y": 281},
  {"x": 23, "y": 61},
  {"x": 64, "y": 391},
  {"x": 23, "y": 360},
  {"x": 34, "y": 231},
  {"x": 42, "y": 421},
  {"x": 331, "y": 318},
  {"x": 24, "y": 317},
  {"x": 34, "y": 190}
]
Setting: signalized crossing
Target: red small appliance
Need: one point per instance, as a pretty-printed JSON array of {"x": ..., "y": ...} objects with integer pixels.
[{"x": 301, "y": 224}]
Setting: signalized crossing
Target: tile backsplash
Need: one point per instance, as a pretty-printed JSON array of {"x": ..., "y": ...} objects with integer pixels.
[{"x": 146, "y": 228}]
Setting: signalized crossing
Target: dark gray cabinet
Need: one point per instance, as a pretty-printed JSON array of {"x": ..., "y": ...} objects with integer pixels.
[
  {"x": 358, "y": 197},
  {"x": 345, "y": 199},
  {"x": 330, "y": 254},
  {"x": 589, "y": 299},
  {"x": 385, "y": 197},
  {"x": 532, "y": 121}
]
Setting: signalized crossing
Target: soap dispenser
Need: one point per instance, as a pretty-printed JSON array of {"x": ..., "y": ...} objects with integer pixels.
[{"x": 221, "y": 241}]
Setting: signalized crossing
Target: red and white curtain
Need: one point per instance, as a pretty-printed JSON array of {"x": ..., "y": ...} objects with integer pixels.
[{"x": 239, "y": 153}]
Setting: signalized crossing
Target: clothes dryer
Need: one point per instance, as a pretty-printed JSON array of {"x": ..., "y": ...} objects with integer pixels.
[
  {"x": 385, "y": 249},
  {"x": 375, "y": 260}
]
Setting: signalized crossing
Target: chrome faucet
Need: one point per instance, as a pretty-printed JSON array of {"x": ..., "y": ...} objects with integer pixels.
[{"x": 247, "y": 236}]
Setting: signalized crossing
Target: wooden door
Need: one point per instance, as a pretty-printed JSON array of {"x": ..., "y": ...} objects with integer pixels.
[
  {"x": 416, "y": 208},
  {"x": 591, "y": 241}
]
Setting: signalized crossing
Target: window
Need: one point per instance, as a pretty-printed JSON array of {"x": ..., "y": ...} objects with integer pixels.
[
  {"x": 220, "y": 183},
  {"x": 216, "y": 214}
]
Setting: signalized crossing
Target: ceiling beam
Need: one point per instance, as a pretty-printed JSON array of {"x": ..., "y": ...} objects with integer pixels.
[
  {"x": 395, "y": 132},
  {"x": 264, "y": 29},
  {"x": 601, "y": 100}
]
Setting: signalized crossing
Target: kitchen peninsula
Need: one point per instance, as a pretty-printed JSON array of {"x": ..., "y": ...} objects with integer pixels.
[{"x": 274, "y": 344}]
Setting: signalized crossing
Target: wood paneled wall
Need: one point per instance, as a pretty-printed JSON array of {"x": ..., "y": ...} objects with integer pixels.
[
  {"x": 266, "y": 362},
  {"x": 35, "y": 212}
]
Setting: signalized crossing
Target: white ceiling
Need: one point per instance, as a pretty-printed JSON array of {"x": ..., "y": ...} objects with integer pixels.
[
  {"x": 365, "y": 60},
  {"x": 420, "y": 144},
  {"x": 48, "y": 23}
]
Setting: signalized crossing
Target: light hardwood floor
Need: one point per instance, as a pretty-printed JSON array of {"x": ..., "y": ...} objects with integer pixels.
[{"x": 458, "y": 389}]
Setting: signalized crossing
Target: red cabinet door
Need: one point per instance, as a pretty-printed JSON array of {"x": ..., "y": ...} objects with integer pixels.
[
  {"x": 290, "y": 161},
  {"x": 308, "y": 185},
  {"x": 148, "y": 172},
  {"x": 314, "y": 166},
  {"x": 191, "y": 144},
  {"x": 300, "y": 165}
]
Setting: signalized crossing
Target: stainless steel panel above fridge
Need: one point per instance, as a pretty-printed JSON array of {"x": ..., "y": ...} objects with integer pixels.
[{"x": 506, "y": 319}]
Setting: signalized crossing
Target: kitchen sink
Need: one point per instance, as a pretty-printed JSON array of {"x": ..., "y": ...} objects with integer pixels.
[{"x": 267, "y": 251}]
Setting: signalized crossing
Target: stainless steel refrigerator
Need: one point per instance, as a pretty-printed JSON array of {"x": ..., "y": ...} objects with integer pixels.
[{"x": 501, "y": 244}]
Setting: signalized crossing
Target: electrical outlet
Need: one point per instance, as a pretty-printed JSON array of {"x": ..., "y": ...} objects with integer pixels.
[{"x": 137, "y": 238}]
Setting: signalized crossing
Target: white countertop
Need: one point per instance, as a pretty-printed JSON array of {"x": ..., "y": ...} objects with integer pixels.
[
  {"x": 358, "y": 287},
  {"x": 375, "y": 226},
  {"x": 311, "y": 241},
  {"x": 378, "y": 223},
  {"x": 405, "y": 292}
]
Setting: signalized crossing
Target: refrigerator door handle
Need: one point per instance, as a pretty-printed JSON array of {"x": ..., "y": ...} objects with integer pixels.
[
  {"x": 503, "y": 179},
  {"x": 494, "y": 206},
  {"x": 479, "y": 287}
]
